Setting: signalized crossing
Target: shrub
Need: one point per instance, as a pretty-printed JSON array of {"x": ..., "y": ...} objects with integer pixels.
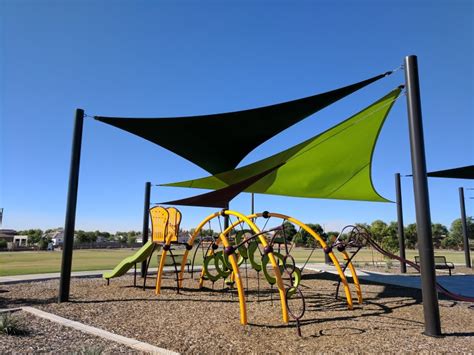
[
  {"x": 10, "y": 325},
  {"x": 88, "y": 350},
  {"x": 3, "y": 243}
]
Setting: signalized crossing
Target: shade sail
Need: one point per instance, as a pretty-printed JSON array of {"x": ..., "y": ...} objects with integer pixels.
[
  {"x": 464, "y": 172},
  {"x": 250, "y": 128},
  {"x": 220, "y": 198},
  {"x": 335, "y": 164}
]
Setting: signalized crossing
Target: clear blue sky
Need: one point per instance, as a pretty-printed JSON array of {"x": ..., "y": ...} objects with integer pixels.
[{"x": 173, "y": 58}]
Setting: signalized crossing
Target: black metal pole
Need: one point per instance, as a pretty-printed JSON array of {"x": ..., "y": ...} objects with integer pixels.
[
  {"x": 464, "y": 228},
  {"x": 226, "y": 218},
  {"x": 422, "y": 203},
  {"x": 66, "y": 262},
  {"x": 146, "y": 209},
  {"x": 253, "y": 204},
  {"x": 401, "y": 231}
]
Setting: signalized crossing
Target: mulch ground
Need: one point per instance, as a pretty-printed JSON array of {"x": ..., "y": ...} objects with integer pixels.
[
  {"x": 207, "y": 321},
  {"x": 43, "y": 336}
]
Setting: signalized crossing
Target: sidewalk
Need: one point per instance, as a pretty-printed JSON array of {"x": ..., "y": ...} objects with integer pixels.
[
  {"x": 459, "y": 284},
  {"x": 77, "y": 274}
]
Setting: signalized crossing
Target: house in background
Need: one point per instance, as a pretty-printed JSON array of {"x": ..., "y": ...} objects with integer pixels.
[
  {"x": 8, "y": 235},
  {"x": 20, "y": 240},
  {"x": 56, "y": 236}
]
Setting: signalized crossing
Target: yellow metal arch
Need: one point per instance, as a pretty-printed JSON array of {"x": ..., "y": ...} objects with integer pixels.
[
  {"x": 273, "y": 260},
  {"x": 323, "y": 245},
  {"x": 223, "y": 237},
  {"x": 355, "y": 278}
]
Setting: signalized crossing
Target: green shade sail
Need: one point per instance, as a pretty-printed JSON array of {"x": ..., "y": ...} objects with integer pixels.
[
  {"x": 335, "y": 164},
  {"x": 250, "y": 128},
  {"x": 220, "y": 198}
]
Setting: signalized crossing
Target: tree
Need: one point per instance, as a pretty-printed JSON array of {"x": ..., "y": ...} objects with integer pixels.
[
  {"x": 289, "y": 229},
  {"x": 306, "y": 239},
  {"x": 455, "y": 239},
  {"x": 411, "y": 236},
  {"x": 85, "y": 237},
  {"x": 131, "y": 239},
  {"x": 456, "y": 227},
  {"x": 390, "y": 240},
  {"x": 121, "y": 237},
  {"x": 439, "y": 232},
  {"x": 34, "y": 235},
  {"x": 378, "y": 230}
]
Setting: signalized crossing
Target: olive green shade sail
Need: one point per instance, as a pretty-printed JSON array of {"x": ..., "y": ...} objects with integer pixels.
[
  {"x": 220, "y": 198},
  {"x": 335, "y": 164},
  {"x": 250, "y": 128}
]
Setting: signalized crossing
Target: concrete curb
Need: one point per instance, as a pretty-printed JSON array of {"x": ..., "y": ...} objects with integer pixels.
[{"x": 132, "y": 343}]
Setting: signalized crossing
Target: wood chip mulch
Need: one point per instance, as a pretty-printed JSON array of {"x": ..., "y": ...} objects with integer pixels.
[
  {"x": 207, "y": 321},
  {"x": 43, "y": 336}
]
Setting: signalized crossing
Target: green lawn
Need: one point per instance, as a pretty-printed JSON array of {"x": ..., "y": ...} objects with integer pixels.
[{"x": 21, "y": 263}]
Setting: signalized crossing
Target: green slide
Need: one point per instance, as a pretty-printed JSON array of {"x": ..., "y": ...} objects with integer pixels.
[{"x": 127, "y": 263}]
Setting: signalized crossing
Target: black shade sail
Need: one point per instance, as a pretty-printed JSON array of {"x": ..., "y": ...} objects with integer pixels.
[
  {"x": 229, "y": 136},
  {"x": 221, "y": 198},
  {"x": 464, "y": 172}
]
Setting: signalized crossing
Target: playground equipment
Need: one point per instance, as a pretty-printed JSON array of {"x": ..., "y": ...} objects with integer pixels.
[
  {"x": 165, "y": 229},
  {"x": 358, "y": 237},
  {"x": 247, "y": 240},
  {"x": 129, "y": 262},
  {"x": 243, "y": 240}
]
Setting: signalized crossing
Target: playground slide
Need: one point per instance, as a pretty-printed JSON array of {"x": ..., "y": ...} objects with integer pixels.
[{"x": 127, "y": 263}]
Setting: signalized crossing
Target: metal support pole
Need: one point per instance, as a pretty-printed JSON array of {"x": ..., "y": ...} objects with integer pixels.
[
  {"x": 422, "y": 205},
  {"x": 69, "y": 225},
  {"x": 464, "y": 228},
  {"x": 253, "y": 204},
  {"x": 401, "y": 231},
  {"x": 146, "y": 218},
  {"x": 226, "y": 218}
]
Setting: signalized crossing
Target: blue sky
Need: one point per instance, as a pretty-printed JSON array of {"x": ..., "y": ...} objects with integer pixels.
[{"x": 176, "y": 58}]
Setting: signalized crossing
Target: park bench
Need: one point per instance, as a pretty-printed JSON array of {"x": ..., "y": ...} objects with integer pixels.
[{"x": 440, "y": 263}]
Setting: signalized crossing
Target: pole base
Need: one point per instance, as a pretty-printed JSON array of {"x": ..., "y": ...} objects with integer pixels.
[{"x": 433, "y": 335}]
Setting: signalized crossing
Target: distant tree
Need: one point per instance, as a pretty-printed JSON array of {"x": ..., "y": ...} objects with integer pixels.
[
  {"x": 411, "y": 236},
  {"x": 43, "y": 243},
  {"x": 85, "y": 237},
  {"x": 289, "y": 230},
  {"x": 331, "y": 237},
  {"x": 455, "y": 239},
  {"x": 363, "y": 226},
  {"x": 456, "y": 227},
  {"x": 34, "y": 235},
  {"x": 452, "y": 241},
  {"x": 131, "y": 239},
  {"x": 304, "y": 238},
  {"x": 378, "y": 230},
  {"x": 439, "y": 232},
  {"x": 390, "y": 240},
  {"x": 121, "y": 237}
]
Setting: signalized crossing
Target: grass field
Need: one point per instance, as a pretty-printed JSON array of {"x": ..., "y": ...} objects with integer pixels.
[{"x": 36, "y": 262}]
